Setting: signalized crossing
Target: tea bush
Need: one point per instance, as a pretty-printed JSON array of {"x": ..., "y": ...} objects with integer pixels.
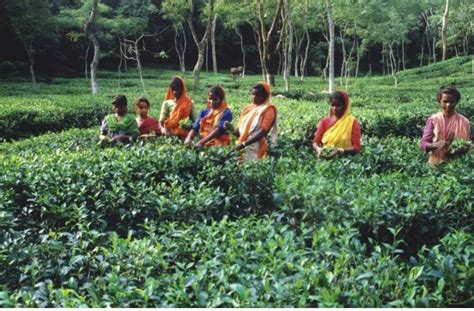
[{"x": 158, "y": 225}]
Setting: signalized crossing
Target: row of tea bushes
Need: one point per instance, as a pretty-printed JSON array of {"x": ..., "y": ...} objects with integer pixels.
[
  {"x": 60, "y": 211},
  {"x": 67, "y": 103},
  {"x": 247, "y": 262},
  {"x": 23, "y": 117}
]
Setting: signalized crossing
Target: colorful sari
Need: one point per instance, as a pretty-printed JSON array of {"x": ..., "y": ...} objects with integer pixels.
[
  {"x": 181, "y": 111},
  {"x": 340, "y": 134},
  {"x": 148, "y": 125},
  {"x": 456, "y": 127},
  {"x": 210, "y": 122},
  {"x": 250, "y": 121},
  {"x": 126, "y": 126}
]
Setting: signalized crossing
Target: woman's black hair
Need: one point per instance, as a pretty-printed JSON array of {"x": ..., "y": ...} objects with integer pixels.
[
  {"x": 143, "y": 99},
  {"x": 120, "y": 100},
  {"x": 176, "y": 84},
  {"x": 449, "y": 89},
  {"x": 217, "y": 91},
  {"x": 338, "y": 96},
  {"x": 260, "y": 89}
]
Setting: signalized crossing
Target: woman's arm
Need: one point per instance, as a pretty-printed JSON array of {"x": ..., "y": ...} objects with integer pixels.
[
  {"x": 259, "y": 134},
  {"x": 189, "y": 139},
  {"x": 214, "y": 134},
  {"x": 355, "y": 139}
]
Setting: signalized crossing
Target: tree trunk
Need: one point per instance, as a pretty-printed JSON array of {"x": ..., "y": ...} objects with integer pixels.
[
  {"x": 120, "y": 63},
  {"x": 383, "y": 59},
  {"x": 344, "y": 56},
  {"x": 403, "y": 55},
  {"x": 331, "y": 47},
  {"x": 201, "y": 45},
  {"x": 244, "y": 65},
  {"x": 197, "y": 67},
  {"x": 422, "y": 49},
  {"x": 94, "y": 64},
  {"x": 305, "y": 60},
  {"x": 444, "y": 30},
  {"x": 266, "y": 37},
  {"x": 139, "y": 63},
  {"x": 89, "y": 34},
  {"x": 260, "y": 53},
  {"x": 347, "y": 72},
  {"x": 358, "y": 59},
  {"x": 86, "y": 58},
  {"x": 207, "y": 56},
  {"x": 465, "y": 43},
  {"x": 289, "y": 47},
  {"x": 393, "y": 64},
  {"x": 180, "y": 48},
  {"x": 427, "y": 32},
  {"x": 298, "y": 44},
  {"x": 31, "y": 57},
  {"x": 213, "y": 44}
]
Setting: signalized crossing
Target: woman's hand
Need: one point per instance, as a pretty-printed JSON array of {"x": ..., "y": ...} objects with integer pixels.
[
  {"x": 317, "y": 150},
  {"x": 239, "y": 147},
  {"x": 229, "y": 127},
  {"x": 439, "y": 145},
  {"x": 103, "y": 138},
  {"x": 188, "y": 142},
  {"x": 199, "y": 145}
]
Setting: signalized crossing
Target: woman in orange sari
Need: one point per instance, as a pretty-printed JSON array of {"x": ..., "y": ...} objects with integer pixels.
[
  {"x": 176, "y": 107},
  {"x": 340, "y": 131},
  {"x": 255, "y": 123},
  {"x": 444, "y": 127},
  {"x": 210, "y": 123}
]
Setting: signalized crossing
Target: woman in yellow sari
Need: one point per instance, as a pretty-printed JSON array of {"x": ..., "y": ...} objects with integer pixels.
[
  {"x": 176, "y": 107},
  {"x": 340, "y": 132},
  {"x": 255, "y": 123}
]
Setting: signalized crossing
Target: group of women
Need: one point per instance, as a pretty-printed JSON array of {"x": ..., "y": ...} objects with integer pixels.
[{"x": 257, "y": 127}]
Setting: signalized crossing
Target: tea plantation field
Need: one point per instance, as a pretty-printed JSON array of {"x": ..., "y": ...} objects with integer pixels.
[{"x": 158, "y": 225}]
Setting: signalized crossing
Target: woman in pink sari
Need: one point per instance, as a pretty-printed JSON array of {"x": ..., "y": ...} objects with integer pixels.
[{"x": 444, "y": 127}]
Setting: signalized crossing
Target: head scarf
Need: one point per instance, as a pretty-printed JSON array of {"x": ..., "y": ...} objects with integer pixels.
[
  {"x": 340, "y": 134},
  {"x": 181, "y": 110}
]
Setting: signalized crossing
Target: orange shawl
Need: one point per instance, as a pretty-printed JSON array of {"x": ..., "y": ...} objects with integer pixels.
[
  {"x": 210, "y": 122},
  {"x": 249, "y": 122},
  {"x": 182, "y": 110}
]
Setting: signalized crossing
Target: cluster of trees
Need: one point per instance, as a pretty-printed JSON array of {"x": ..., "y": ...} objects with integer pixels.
[{"x": 286, "y": 37}]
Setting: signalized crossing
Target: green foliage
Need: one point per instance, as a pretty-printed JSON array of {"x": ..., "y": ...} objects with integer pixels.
[{"x": 156, "y": 224}]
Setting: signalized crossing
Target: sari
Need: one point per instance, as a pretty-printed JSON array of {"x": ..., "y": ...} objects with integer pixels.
[
  {"x": 148, "y": 125},
  {"x": 339, "y": 135},
  {"x": 250, "y": 121},
  {"x": 210, "y": 122},
  {"x": 455, "y": 127},
  {"x": 181, "y": 111},
  {"x": 126, "y": 126}
]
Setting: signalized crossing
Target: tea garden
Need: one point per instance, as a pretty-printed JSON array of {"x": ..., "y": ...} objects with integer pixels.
[{"x": 154, "y": 224}]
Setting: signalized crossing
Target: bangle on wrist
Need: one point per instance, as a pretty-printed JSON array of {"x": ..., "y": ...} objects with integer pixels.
[{"x": 244, "y": 144}]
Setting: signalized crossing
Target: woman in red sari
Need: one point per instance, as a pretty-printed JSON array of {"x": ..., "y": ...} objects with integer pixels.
[
  {"x": 340, "y": 131},
  {"x": 176, "y": 107},
  {"x": 147, "y": 125},
  {"x": 444, "y": 127}
]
